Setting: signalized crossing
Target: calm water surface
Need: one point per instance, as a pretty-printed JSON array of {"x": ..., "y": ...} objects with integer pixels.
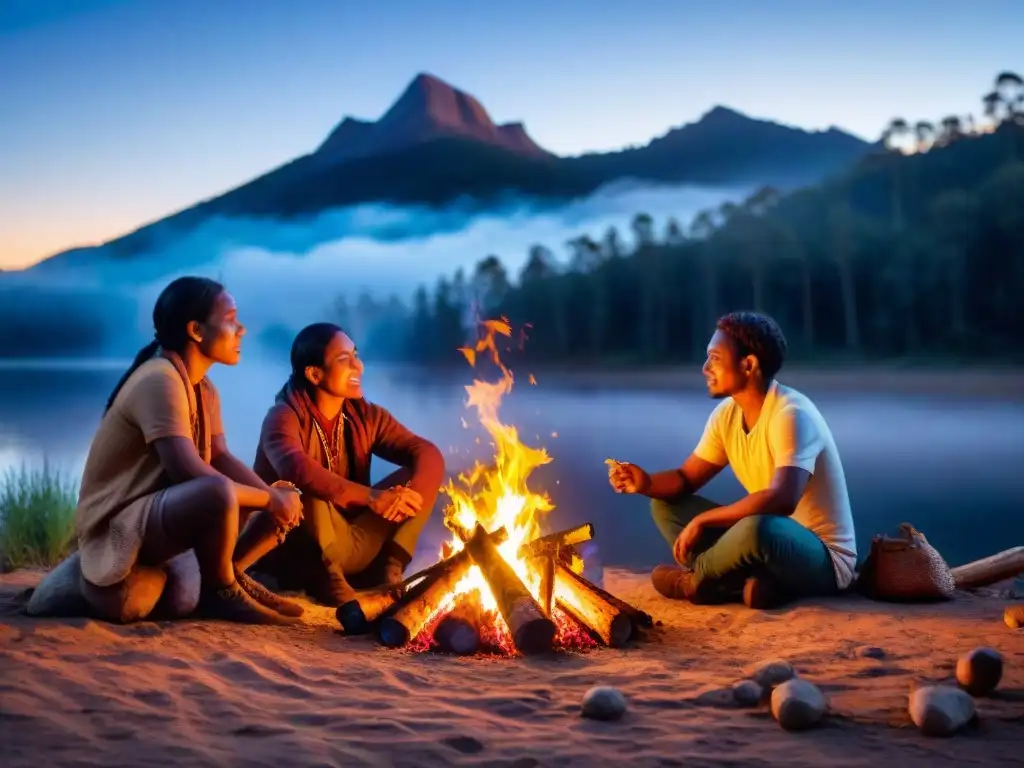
[{"x": 952, "y": 467}]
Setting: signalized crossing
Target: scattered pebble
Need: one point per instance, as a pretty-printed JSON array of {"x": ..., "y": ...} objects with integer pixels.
[
  {"x": 871, "y": 652},
  {"x": 1014, "y": 616},
  {"x": 467, "y": 745},
  {"x": 768, "y": 674},
  {"x": 979, "y": 671},
  {"x": 798, "y": 704},
  {"x": 940, "y": 710},
  {"x": 747, "y": 693},
  {"x": 603, "y": 702}
]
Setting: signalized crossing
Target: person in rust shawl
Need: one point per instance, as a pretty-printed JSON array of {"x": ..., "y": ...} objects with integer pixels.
[
  {"x": 320, "y": 435},
  {"x": 159, "y": 480}
]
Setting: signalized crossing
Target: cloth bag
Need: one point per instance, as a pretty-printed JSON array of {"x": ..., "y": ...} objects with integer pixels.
[{"x": 905, "y": 568}]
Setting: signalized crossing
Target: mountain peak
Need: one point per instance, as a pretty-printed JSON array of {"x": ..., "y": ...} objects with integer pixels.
[
  {"x": 427, "y": 80},
  {"x": 719, "y": 113},
  {"x": 429, "y": 108}
]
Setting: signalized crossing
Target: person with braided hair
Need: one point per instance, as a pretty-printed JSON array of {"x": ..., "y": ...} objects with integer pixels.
[
  {"x": 793, "y": 534},
  {"x": 159, "y": 479}
]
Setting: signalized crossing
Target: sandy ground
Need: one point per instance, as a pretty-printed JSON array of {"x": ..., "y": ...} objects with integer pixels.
[{"x": 80, "y": 692}]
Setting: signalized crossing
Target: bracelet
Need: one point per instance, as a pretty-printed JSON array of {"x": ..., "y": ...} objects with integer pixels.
[{"x": 286, "y": 484}]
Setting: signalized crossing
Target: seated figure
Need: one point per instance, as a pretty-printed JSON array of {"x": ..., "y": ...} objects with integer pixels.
[
  {"x": 159, "y": 480},
  {"x": 793, "y": 534},
  {"x": 320, "y": 434}
]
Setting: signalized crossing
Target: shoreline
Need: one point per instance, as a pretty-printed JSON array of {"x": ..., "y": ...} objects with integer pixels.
[{"x": 990, "y": 382}]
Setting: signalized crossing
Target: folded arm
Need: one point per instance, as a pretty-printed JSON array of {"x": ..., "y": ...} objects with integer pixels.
[
  {"x": 400, "y": 446},
  {"x": 182, "y": 462},
  {"x": 781, "y": 498},
  {"x": 281, "y": 441},
  {"x": 158, "y": 404},
  {"x": 796, "y": 442}
]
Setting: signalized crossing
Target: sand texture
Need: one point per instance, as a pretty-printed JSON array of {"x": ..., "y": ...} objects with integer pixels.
[{"x": 81, "y": 692}]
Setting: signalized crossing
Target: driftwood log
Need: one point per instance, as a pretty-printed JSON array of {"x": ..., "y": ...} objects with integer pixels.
[
  {"x": 588, "y": 604},
  {"x": 532, "y": 631},
  {"x": 557, "y": 540},
  {"x": 405, "y": 619},
  {"x": 989, "y": 570}
]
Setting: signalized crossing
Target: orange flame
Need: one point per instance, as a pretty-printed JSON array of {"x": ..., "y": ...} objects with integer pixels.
[{"x": 496, "y": 495}]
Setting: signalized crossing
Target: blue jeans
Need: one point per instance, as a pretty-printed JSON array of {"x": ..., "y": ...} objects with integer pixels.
[{"x": 778, "y": 547}]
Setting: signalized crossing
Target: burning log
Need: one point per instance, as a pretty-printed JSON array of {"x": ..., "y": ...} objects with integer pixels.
[
  {"x": 547, "y": 582},
  {"x": 458, "y": 631},
  {"x": 989, "y": 570},
  {"x": 356, "y": 616},
  {"x": 553, "y": 542},
  {"x": 640, "y": 618},
  {"x": 590, "y": 606},
  {"x": 499, "y": 536},
  {"x": 532, "y": 631},
  {"x": 405, "y": 619}
]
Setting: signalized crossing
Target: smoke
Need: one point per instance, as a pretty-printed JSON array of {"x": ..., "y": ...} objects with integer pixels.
[{"x": 288, "y": 273}]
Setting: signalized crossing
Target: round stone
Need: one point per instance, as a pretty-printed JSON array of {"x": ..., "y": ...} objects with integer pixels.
[
  {"x": 979, "y": 671},
  {"x": 603, "y": 702},
  {"x": 747, "y": 693},
  {"x": 768, "y": 674}
]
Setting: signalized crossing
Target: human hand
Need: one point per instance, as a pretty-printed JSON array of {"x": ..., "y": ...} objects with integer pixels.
[
  {"x": 686, "y": 539},
  {"x": 627, "y": 478},
  {"x": 285, "y": 506},
  {"x": 396, "y": 504}
]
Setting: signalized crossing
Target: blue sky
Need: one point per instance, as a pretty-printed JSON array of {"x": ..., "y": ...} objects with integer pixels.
[{"x": 116, "y": 112}]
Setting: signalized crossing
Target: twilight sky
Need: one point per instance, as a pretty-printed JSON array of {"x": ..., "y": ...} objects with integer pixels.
[{"x": 114, "y": 113}]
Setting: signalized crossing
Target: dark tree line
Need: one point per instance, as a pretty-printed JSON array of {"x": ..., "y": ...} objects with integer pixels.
[{"x": 915, "y": 252}]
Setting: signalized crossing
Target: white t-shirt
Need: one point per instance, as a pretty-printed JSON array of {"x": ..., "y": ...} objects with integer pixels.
[{"x": 790, "y": 432}]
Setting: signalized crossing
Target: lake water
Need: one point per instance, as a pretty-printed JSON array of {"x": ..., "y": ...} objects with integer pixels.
[{"x": 951, "y": 466}]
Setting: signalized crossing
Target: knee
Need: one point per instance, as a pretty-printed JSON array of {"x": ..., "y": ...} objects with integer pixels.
[
  {"x": 661, "y": 510},
  {"x": 438, "y": 469},
  {"x": 428, "y": 508},
  {"x": 222, "y": 496},
  {"x": 759, "y": 531}
]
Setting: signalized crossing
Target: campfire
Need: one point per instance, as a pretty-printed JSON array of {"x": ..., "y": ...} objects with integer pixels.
[{"x": 500, "y": 585}]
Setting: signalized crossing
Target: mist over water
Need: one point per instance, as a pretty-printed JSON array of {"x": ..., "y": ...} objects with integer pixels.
[
  {"x": 290, "y": 272},
  {"x": 950, "y": 466}
]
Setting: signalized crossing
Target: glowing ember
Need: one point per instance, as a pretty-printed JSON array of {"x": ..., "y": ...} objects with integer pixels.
[{"x": 496, "y": 496}]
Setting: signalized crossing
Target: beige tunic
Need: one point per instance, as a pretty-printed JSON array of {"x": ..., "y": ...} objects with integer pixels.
[{"x": 123, "y": 476}]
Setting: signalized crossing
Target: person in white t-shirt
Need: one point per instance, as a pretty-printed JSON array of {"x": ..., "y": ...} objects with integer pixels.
[{"x": 792, "y": 535}]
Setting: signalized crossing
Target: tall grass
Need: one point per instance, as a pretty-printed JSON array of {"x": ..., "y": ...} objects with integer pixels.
[{"x": 37, "y": 517}]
